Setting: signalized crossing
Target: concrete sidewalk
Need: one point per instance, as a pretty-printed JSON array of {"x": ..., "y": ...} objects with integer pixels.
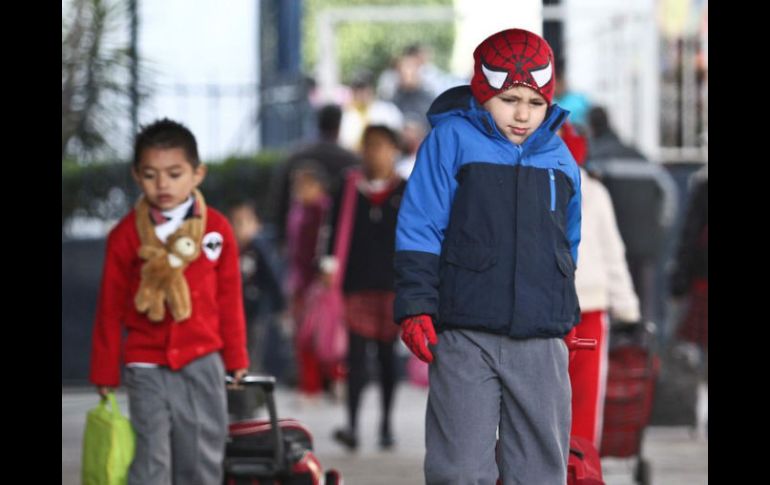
[{"x": 677, "y": 456}]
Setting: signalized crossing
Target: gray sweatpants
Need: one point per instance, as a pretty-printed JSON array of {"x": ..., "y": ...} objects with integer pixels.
[
  {"x": 480, "y": 383},
  {"x": 180, "y": 422}
]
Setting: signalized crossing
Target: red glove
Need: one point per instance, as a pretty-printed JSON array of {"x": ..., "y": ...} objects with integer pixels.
[{"x": 414, "y": 332}]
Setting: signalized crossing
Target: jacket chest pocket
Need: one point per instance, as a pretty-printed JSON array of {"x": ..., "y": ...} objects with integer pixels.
[{"x": 467, "y": 284}]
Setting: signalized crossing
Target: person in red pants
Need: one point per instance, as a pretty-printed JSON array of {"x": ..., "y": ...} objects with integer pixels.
[
  {"x": 603, "y": 285},
  {"x": 307, "y": 214}
]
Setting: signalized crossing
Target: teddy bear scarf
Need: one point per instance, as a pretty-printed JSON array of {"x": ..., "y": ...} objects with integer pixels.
[{"x": 162, "y": 276}]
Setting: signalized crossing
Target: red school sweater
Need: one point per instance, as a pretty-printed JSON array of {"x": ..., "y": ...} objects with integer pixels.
[{"x": 217, "y": 322}]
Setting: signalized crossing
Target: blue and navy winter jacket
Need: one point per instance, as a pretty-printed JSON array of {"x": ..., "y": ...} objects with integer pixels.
[{"x": 488, "y": 230}]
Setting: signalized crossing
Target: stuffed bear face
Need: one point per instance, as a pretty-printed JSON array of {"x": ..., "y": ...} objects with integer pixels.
[
  {"x": 184, "y": 246},
  {"x": 181, "y": 248}
]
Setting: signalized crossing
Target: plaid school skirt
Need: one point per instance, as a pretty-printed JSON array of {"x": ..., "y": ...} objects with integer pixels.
[
  {"x": 369, "y": 314},
  {"x": 695, "y": 325}
]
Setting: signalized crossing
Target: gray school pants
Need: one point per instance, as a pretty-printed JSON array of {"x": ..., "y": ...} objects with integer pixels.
[
  {"x": 180, "y": 422},
  {"x": 479, "y": 383}
]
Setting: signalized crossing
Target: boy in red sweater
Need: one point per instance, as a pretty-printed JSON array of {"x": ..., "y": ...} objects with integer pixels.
[{"x": 171, "y": 282}]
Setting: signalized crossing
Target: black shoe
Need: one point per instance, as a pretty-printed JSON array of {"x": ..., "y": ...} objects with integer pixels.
[
  {"x": 387, "y": 441},
  {"x": 346, "y": 438}
]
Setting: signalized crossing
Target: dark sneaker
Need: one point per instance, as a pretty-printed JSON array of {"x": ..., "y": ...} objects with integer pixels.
[
  {"x": 346, "y": 438},
  {"x": 387, "y": 441}
]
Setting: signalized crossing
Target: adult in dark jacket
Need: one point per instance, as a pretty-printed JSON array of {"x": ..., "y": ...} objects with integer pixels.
[{"x": 326, "y": 151}]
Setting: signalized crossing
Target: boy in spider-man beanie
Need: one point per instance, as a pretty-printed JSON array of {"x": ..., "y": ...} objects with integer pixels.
[
  {"x": 486, "y": 247},
  {"x": 513, "y": 57}
]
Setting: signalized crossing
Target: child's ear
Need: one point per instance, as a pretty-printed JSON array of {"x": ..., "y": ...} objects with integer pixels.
[
  {"x": 135, "y": 174},
  {"x": 199, "y": 174}
]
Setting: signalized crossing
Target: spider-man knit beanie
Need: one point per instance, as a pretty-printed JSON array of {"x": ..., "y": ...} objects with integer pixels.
[{"x": 512, "y": 57}]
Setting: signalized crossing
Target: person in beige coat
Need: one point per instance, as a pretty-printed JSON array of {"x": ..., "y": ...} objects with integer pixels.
[{"x": 603, "y": 284}]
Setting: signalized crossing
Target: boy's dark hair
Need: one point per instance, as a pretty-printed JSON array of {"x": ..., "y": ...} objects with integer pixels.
[
  {"x": 385, "y": 130},
  {"x": 166, "y": 134},
  {"x": 412, "y": 50},
  {"x": 313, "y": 169},
  {"x": 363, "y": 78},
  {"x": 598, "y": 121},
  {"x": 329, "y": 118},
  {"x": 243, "y": 204}
]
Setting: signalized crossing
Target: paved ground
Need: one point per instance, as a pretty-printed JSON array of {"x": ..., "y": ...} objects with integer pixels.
[{"x": 678, "y": 456}]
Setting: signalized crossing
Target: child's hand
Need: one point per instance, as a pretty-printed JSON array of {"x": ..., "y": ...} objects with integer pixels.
[
  {"x": 414, "y": 332},
  {"x": 328, "y": 266},
  {"x": 326, "y": 279},
  {"x": 103, "y": 391},
  {"x": 237, "y": 376}
]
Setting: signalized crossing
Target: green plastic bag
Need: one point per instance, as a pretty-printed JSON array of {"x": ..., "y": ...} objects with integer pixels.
[{"x": 108, "y": 445}]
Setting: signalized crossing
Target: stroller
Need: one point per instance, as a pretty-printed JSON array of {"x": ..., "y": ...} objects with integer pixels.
[{"x": 272, "y": 450}]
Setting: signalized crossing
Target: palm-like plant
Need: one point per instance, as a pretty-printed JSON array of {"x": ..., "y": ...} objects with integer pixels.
[{"x": 95, "y": 77}]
